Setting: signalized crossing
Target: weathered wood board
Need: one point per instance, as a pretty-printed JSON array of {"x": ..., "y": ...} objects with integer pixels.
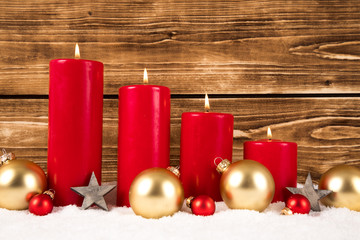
[
  {"x": 222, "y": 47},
  {"x": 327, "y": 130}
]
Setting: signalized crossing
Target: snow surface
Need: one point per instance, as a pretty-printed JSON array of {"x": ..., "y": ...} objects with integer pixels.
[{"x": 121, "y": 223}]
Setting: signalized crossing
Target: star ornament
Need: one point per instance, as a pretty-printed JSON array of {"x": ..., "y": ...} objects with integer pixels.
[
  {"x": 93, "y": 193},
  {"x": 314, "y": 195}
]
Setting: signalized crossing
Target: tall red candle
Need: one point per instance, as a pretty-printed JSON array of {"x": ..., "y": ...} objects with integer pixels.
[
  {"x": 75, "y": 126},
  {"x": 204, "y": 136},
  {"x": 281, "y": 160},
  {"x": 144, "y": 133}
]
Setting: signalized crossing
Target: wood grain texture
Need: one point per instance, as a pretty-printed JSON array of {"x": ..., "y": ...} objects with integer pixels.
[
  {"x": 221, "y": 47},
  {"x": 326, "y": 130}
]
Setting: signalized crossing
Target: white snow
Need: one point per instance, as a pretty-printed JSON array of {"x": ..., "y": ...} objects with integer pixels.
[{"x": 121, "y": 223}]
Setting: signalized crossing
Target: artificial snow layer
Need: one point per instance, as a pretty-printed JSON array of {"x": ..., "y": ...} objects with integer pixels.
[{"x": 121, "y": 223}]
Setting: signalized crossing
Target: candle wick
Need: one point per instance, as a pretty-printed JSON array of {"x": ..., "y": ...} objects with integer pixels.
[{"x": 207, "y": 110}]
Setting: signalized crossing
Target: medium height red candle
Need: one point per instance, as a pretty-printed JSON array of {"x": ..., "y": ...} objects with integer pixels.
[
  {"x": 75, "y": 126},
  {"x": 204, "y": 137},
  {"x": 281, "y": 160},
  {"x": 144, "y": 133}
]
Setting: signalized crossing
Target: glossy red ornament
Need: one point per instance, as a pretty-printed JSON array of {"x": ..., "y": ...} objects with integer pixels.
[
  {"x": 298, "y": 203},
  {"x": 202, "y": 205},
  {"x": 41, "y": 204}
]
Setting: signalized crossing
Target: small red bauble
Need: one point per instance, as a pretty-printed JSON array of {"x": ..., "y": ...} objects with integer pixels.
[
  {"x": 202, "y": 205},
  {"x": 298, "y": 203},
  {"x": 41, "y": 204}
]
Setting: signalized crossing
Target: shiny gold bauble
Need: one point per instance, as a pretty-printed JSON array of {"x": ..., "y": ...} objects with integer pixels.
[
  {"x": 155, "y": 193},
  {"x": 19, "y": 180},
  {"x": 246, "y": 184},
  {"x": 344, "y": 181}
]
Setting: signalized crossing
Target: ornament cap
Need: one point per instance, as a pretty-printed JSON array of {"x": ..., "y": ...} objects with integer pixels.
[
  {"x": 188, "y": 201},
  {"x": 286, "y": 211},
  {"x": 6, "y": 157},
  {"x": 51, "y": 193},
  {"x": 174, "y": 170},
  {"x": 223, "y": 166}
]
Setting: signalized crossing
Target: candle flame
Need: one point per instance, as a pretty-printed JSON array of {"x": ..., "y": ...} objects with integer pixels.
[
  {"x": 77, "y": 51},
  {"x": 146, "y": 80},
  {"x": 207, "y": 104},
  {"x": 269, "y": 134}
]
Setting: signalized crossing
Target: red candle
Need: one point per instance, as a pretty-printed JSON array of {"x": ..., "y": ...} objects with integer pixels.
[
  {"x": 204, "y": 137},
  {"x": 144, "y": 133},
  {"x": 75, "y": 126},
  {"x": 281, "y": 160}
]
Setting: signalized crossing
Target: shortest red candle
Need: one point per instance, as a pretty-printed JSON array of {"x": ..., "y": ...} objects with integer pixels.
[{"x": 281, "y": 160}]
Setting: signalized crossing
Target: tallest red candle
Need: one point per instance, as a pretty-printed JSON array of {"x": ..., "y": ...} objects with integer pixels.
[
  {"x": 75, "y": 126},
  {"x": 144, "y": 133}
]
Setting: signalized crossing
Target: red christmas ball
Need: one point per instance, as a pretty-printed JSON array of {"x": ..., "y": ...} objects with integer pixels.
[
  {"x": 298, "y": 203},
  {"x": 203, "y": 205},
  {"x": 41, "y": 204}
]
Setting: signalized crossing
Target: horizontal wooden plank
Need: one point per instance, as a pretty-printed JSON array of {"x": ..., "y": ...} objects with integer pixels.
[
  {"x": 190, "y": 46},
  {"x": 327, "y": 130}
]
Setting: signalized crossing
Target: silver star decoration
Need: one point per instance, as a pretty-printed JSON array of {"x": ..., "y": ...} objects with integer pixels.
[
  {"x": 314, "y": 195},
  {"x": 93, "y": 193}
]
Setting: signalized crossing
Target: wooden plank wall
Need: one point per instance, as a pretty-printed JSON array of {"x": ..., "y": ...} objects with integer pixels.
[{"x": 291, "y": 65}]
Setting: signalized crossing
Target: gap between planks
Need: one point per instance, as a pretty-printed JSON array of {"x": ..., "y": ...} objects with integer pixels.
[{"x": 200, "y": 96}]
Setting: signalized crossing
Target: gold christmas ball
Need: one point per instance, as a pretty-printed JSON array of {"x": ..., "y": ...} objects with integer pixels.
[
  {"x": 246, "y": 184},
  {"x": 344, "y": 181},
  {"x": 19, "y": 180},
  {"x": 155, "y": 193}
]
